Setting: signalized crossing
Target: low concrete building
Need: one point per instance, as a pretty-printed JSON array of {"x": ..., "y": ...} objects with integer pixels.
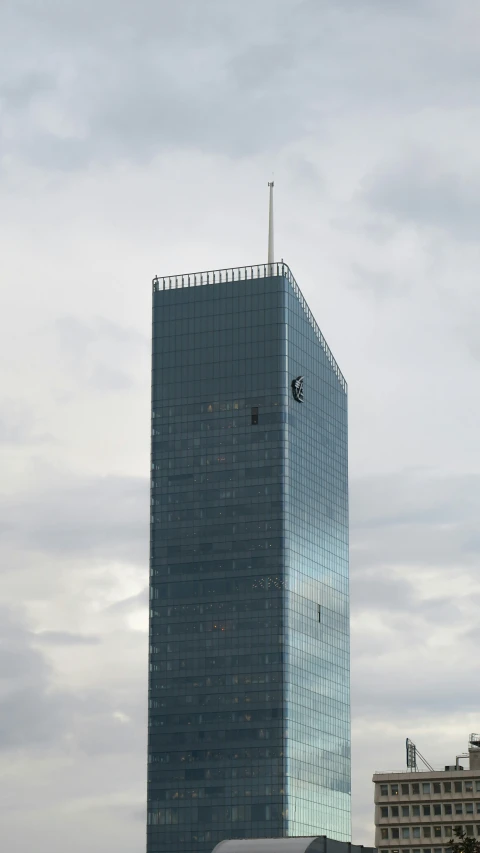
[{"x": 416, "y": 811}]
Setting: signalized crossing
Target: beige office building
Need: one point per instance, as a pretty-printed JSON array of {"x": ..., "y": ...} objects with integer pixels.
[{"x": 416, "y": 811}]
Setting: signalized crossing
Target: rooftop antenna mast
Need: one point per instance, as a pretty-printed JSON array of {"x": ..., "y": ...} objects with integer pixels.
[
  {"x": 271, "y": 254},
  {"x": 412, "y": 754}
]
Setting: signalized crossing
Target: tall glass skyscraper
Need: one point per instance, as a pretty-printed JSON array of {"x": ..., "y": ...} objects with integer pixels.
[{"x": 249, "y": 729}]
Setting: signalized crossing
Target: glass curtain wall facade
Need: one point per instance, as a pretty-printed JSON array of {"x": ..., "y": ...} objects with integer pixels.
[{"x": 249, "y": 732}]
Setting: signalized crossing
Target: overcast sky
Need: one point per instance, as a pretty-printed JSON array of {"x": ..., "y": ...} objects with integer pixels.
[{"x": 138, "y": 138}]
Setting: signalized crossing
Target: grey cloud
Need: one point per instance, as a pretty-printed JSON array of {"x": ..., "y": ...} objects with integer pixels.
[
  {"x": 381, "y": 285},
  {"x": 102, "y": 516},
  {"x": 222, "y": 80},
  {"x": 304, "y": 173},
  {"x": 133, "y": 602},
  {"x": 260, "y": 65},
  {"x": 104, "y": 378},
  {"x": 421, "y": 191},
  {"x": 18, "y": 425},
  {"x": 414, "y": 516},
  {"x": 34, "y": 717},
  {"x": 402, "y": 524},
  {"x": 99, "y": 352},
  {"x": 100, "y": 733},
  {"x": 18, "y": 93},
  {"x": 76, "y": 334},
  {"x": 30, "y": 712},
  {"x": 139, "y": 89},
  {"x": 408, "y": 694},
  {"x": 36, "y": 713},
  {"x": 65, "y": 638}
]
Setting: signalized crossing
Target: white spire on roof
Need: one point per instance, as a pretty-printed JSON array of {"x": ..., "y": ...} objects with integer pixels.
[{"x": 271, "y": 253}]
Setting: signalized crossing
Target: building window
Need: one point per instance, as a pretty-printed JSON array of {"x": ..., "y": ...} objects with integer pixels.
[
  {"x": 255, "y": 415},
  {"x": 458, "y": 808},
  {"x": 447, "y": 830},
  {"x": 319, "y": 613},
  {"x": 478, "y": 808},
  {"x": 405, "y": 832},
  {"x": 477, "y": 785},
  {"x": 415, "y": 788},
  {"x": 447, "y": 787},
  {"x": 384, "y": 790},
  {"x": 437, "y": 789},
  {"x": 416, "y": 832},
  {"x": 394, "y": 790},
  {"x": 427, "y": 850},
  {"x": 405, "y": 811},
  {"x": 426, "y": 787},
  {"x": 447, "y": 808},
  {"x": 405, "y": 789},
  {"x": 395, "y": 832},
  {"x": 458, "y": 787},
  {"x": 426, "y": 811},
  {"x": 416, "y": 850},
  {"x": 394, "y": 811},
  {"x": 427, "y": 831},
  {"x": 437, "y": 808},
  {"x": 469, "y": 787},
  {"x": 437, "y": 831},
  {"x": 468, "y": 808},
  {"x": 416, "y": 811},
  {"x": 384, "y": 832},
  {"x": 437, "y": 850},
  {"x": 384, "y": 811},
  {"x": 478, "y": 828},
  {"x": 469, "y": 829}
]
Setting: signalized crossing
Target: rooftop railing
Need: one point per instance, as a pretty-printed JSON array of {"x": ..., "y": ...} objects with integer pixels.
[
  {"x": 198, "y": 279},
  {"x": 407, "y": 772}
]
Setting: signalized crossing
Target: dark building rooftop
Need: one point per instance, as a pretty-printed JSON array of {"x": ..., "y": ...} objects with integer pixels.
[{"x": 304, "y": 844}]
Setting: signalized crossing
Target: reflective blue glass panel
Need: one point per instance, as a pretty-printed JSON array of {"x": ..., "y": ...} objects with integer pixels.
[{"x": 248, "y": 682}]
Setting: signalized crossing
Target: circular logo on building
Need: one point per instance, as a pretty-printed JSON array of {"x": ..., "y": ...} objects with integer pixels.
[{"x": 297, "y": 389}]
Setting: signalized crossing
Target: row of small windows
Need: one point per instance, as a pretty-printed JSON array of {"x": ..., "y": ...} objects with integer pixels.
[
  {"x": 196, "y": 737},
  {"x": 429, "y": 809},
  {"x": 459, "y": 786},
  {"x": 216, "y": 626},
  {"x": 216, "y": 814},
  {"x": 213, "y": 773},
  {"x": 250, "y": 716},
  {"x": 221, "y": 586},
  {"x": 235, "y": 753},
  {"x": 446, "y": 831},
  {"x": 258, "y": 790},
  {"x": 216, "y": 441},
  {"x": 221, "y": 662},
  {"x": 275, "y": 602},
  {"x": 178, "y": 684},
  {"x": 231, "y": 493},
  {"x": 198, "y": 458},
  {"x": 418, "y": 850}
]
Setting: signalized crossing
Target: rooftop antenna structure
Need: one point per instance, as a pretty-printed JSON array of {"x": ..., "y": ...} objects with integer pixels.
[
  {"x": 412, "y": 755},
  {"x": 271, "y": 253}
]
